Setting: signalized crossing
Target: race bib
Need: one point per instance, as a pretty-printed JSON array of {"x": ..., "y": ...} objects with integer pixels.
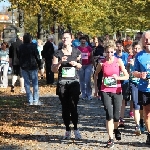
[
  {"x": 84, "y": 55},
  {"x": 135, "y": 79},
  {"x": 121, "y": 74},
  {"x": 110, "y": 82},
  {"x": 68, "y": 72}
]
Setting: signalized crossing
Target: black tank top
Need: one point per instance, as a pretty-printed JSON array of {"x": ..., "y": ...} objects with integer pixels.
[{"x": 66, "y": 71}]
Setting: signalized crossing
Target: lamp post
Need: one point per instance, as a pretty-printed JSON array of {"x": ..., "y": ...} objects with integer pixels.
[
  {"x": 55, "y": 14},
  {"x": 21, "y": 20},
  {"x": 40, "y": 25},
  {"x": 13, "y": 17}
]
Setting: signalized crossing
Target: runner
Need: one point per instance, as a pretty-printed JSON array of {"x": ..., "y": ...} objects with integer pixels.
[
  {"x": 66, "y": 62},
  {"x": 138, "y": 113},
  {"x": 142, "y": 70},
  {"x": 125, "y": 84},
  {"x": 111, "y": 90},
  {"x": 98, "y": 53},
  {"x": 129, "y": 50},
  {"x": 86, "y": 71}
]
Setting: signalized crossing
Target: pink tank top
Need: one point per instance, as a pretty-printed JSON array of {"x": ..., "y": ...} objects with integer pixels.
[{"x": 108, "y": 71}]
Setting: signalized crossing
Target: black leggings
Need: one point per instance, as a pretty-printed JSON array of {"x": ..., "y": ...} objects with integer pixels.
[
  {"x": 69, "y": 97},
  {"x": 112, "y": 105}
]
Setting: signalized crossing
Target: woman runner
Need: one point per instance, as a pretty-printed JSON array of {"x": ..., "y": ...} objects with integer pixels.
[
  {"x": 66, "y": 62},
  {"x": 111, "y": 90}
]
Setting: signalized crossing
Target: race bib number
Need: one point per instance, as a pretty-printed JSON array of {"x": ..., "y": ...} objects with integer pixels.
[
  {"x": 68, "y": 72},
  {"x": 84, "y": 55},
  {"x": 121, "y": 74},
  {"x": 110, "y": 82}
]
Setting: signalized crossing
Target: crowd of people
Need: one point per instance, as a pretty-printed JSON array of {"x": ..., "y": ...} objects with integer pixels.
[{"x": 119, "y": 68}]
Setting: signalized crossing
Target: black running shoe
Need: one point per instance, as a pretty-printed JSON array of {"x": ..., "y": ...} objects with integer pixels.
[
  {"x": 148, "y": 139},
  {"x": 117, "y": 134},
  {"x": 12, "y": 89},
  {"x": 110, "y": 143}
]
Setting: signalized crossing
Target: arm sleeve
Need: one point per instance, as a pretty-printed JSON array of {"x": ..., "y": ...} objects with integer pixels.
[
  {"x": 11, "y": 51},
  {"x": 136, "y": 64},
  {"x": 56, "y": 54},
  {"x": 78, "y": 52},
  {"x": 37, "y": 57}
]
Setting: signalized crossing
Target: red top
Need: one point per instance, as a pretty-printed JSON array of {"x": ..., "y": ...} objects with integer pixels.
[
  {"x": 130, "y": 57},
  {"x": 108, "y": 71},
  {"x": 85, "y": 55}
]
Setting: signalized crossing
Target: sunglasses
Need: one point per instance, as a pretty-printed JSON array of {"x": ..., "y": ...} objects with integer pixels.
[{"x": 110, "y": 52}]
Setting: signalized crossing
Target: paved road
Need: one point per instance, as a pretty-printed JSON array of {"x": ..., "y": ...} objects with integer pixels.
[{"x": 48, "y": 129}]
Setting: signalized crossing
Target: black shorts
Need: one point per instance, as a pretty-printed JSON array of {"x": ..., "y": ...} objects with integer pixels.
[
  {"x": 143, "y": 98},
  {"x": 17, "y": 70},
  {"x": 125, "y": 91}
]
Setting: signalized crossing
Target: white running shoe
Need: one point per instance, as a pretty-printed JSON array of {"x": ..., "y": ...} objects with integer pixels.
[
  {"x": 137, "y": 131},
  {"x": 77, "y": 134},
  {"x": 22, "y": 90},
  {"x": 67, "y": 135},
  {"x": 90, "y": 98}
]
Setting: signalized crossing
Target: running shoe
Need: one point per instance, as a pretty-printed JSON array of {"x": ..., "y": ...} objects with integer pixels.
[
  {"x": 77, "y": 134},
  {"x": 142, "y": 128},
  {"x": 137, "y": 130},
  {"x": 117, "y": 134},
  {"x": 22, "y": 90},
  {"x": 67, "y": 135},
  {"x": 148, "y": 139},
  {"x": 110, "y": 143},
  {"x": 89, "y": 98},
  {"x": 121, "y": 123},
  {"x": 131, "y": 114}
]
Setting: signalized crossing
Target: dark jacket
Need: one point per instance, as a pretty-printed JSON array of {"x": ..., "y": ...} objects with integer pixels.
[
  {"x": 29, "y": 58},
  {"x": 48, "y": 51},
  {"x": 13, "y": 52},
  {"x": 99, "y": 50}
]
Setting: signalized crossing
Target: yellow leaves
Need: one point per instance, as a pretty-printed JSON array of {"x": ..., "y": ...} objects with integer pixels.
[{"x": 118, "y": 13}]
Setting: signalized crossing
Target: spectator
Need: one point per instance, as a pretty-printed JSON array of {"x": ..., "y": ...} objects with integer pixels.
[
  {"x": 28, "y": 59},
  {"x": 4, "y": 64},
  {"x": 47, "y": 54},
  {"x": 14, "y": 63}
]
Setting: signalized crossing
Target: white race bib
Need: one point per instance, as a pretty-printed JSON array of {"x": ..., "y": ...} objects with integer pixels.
[
  {"x": 110, "y": 82},
  {"x": 68, "y": 72},
  {"x": 84, "y": 55}
]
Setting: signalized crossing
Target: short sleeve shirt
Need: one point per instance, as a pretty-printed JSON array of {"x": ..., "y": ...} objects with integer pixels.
[{"x": 67, "y": 71}]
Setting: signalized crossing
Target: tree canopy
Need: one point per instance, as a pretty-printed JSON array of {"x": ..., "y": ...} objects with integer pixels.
[{"x": 89, "y": 16}]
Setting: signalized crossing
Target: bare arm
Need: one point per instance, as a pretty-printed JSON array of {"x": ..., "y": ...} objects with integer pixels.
[
  {"x": 98, "y": 69},
  {"x": 122, "y": 67},
  {"x": 78, "y": 65},
  {"x": 55, "y": 64}
]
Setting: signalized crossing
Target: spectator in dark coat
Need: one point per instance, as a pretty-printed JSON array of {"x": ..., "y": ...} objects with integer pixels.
[
  {"x": 47, "y": 54},
  {"x": 29, "y": 60},
  {"x": 14, "y": 63}
]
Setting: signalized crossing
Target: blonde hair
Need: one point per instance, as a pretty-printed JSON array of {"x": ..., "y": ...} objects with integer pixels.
[
  {"x": 109, "y": 44},
  {"x": 40, "y": 41}
]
